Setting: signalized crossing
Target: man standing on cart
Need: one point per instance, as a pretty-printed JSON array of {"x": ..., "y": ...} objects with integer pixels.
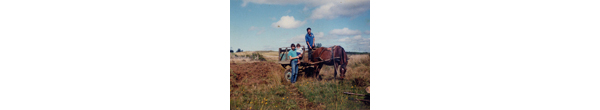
[
  {"x": 294, "y": 62},
  {"x": 310, "y": 42}
]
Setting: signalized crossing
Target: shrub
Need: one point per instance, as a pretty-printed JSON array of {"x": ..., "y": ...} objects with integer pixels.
[{"x": 256, "y": 56}]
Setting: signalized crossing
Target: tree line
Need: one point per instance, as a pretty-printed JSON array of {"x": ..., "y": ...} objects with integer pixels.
[{"x": 238, "y": 50}]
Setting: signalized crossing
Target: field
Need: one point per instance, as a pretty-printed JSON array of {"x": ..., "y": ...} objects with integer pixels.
[{"x": 256, "y": 82}]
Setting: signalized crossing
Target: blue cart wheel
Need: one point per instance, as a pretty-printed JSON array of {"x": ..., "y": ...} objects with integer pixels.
[{"x": 288, "y": 75}]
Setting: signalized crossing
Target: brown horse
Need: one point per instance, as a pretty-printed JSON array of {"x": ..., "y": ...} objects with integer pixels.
[{"x": 335, "y": 56}]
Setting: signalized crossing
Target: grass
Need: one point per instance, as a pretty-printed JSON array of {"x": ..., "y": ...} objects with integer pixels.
[
  {"x": 324, "y": 94},
  {"x": 328, "y": 94},
  {"x": 262, "y": 97}
]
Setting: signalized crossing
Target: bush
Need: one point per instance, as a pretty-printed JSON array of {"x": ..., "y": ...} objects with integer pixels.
[{"x": 256, "y": 56}]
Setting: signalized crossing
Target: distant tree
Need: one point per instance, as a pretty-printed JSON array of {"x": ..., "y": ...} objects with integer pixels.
[
  {"x": 230, "y": 51},
  {"x": 317, "y": 45},
  {"x": 239, "y": 50}
]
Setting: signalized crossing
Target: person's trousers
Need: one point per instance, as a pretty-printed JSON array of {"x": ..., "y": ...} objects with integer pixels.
[
  {"x": 309, "y": 55},
  {"x": 294, "y": 71}
]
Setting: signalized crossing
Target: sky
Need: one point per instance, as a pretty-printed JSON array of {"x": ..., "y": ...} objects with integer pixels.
[{"x": 271, "y": 24}]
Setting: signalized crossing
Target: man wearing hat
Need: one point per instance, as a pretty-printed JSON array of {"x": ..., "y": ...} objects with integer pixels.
[{"x": 310, "y": 42}]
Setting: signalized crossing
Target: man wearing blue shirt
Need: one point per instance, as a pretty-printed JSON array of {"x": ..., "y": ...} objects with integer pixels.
[
  {"x": 294, "y": 62},
  {"x": 310, "y": 42}
]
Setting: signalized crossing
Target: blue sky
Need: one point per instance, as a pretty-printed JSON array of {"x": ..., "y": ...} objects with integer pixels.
[{"x": 270, "y": 24}]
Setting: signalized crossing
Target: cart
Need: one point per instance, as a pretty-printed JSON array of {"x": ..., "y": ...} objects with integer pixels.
[{"x": 304, "y": 66}]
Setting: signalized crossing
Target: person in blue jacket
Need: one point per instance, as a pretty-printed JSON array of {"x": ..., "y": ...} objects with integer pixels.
[{"x": 310, "y": 42}]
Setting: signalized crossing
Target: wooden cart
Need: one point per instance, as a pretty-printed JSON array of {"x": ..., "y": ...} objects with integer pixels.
[{"x": 284, "y": 60}]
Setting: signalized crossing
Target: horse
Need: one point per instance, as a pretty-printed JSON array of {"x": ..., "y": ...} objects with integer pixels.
[{"x": 334, "y": 56}]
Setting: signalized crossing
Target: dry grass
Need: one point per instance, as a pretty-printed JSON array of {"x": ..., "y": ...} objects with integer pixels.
[
  {"x": 271, "y": 56},
  {"x": 241, "y": 60},
  {"x": 358, "y": 66}
]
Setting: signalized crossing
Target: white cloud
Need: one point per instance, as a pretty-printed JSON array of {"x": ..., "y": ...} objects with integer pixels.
[
  {"x": 323, "y": 12},
  {"x": 367, "y": 32},
  {"x": 344, "y": 39},
  {"x": 319, "y": 34},
  {"x": 252, "y": 28},
  {"x": 357, "y": 37},
  {"x": 357, "y": 43},
  {"x": 327, "y": 9},
  {"x": 344, "y": 31},
  {"x": 334, "y": 10},
  {"x": 288, "y": 22},
  {"x": 273, "y": 18}
]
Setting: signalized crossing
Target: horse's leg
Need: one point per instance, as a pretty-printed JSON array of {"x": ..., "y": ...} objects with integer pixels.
[
  {"x": 343, "y": 71},
  {"x": 335, "y": 68},
  {"x": 316, "y": 71}
]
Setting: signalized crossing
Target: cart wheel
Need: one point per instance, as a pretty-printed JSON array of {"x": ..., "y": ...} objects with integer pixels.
[{"x": 288, "y": 75}]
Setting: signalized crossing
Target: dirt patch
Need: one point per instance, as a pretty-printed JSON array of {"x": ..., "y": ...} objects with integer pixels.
[
  {"x": 262, "y": 73},
  {"x": 254, "y": 73}
]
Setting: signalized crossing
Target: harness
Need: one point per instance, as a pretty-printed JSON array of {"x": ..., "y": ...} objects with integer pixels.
[
  {"x": 332, "y": 51},
  {"x": 332, "y": 55}
]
